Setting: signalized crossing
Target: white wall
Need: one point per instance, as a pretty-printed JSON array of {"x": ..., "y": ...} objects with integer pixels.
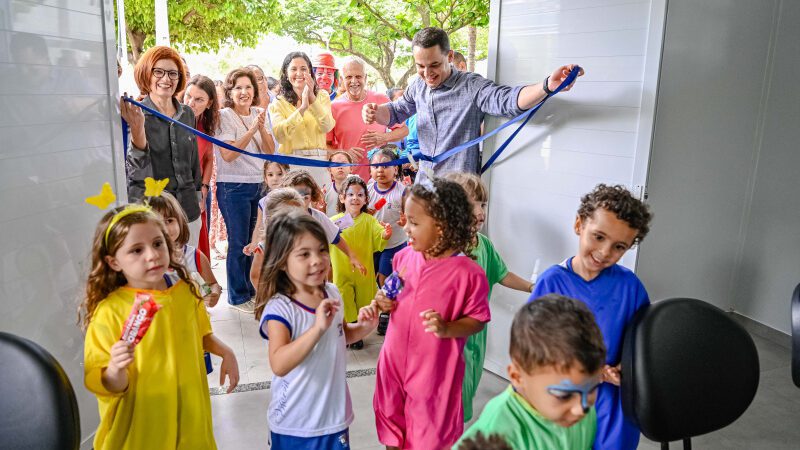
[
  {"x": 722, "y": 181},
  {"x": 57, "y": 133},
  {"x": 598, "y": 132},
  {"x": 712, "y": 72},
  {"x": 768, "y": 271}
]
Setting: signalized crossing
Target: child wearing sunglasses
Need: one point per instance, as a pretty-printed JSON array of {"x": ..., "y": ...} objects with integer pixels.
[{"x": 557, "y": 359}]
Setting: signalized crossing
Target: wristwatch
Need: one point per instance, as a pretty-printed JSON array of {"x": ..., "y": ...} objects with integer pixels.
[{"x": 545, "y": 87}]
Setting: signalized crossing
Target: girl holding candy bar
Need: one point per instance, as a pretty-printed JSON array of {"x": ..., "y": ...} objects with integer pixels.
[{"x": 144, "y": 402}]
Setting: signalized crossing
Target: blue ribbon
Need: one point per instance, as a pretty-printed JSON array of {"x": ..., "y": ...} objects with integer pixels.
[
  {"x": 417, "y": 156},
  {"x": 527, "y": 115}
]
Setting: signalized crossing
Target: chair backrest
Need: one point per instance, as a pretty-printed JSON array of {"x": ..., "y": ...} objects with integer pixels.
[
  {"x": 687, "y": 369},
  {"x": 796, "y": 336},
  {"x": 38, "y": 408}
]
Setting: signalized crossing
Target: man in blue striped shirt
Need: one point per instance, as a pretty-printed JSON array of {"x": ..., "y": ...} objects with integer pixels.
[{"x": 450, "y": 104}]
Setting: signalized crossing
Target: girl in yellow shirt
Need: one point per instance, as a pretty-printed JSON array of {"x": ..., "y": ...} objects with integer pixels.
[
  {"x": 153, "y": 395},
  {"x": 367, "y": 236}
]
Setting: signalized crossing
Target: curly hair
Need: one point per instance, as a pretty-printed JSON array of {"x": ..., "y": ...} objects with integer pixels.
[
  {"x": 349, "y": 181},
  {"x": 618, "y": 200},
  {"x": 103, "y": 280},
  {"x": 230, "y": 83},
  {"x": 301, "y": 177},
  {"x": 447, "y": 203},
  {"x": 287, "y": 90}
]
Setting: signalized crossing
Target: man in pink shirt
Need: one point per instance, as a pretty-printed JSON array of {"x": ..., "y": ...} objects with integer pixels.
[{"x": 351, "y": 133}]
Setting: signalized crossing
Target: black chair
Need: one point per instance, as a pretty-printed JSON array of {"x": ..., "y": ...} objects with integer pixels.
[
  {"x": 796, "y": 336},
  {"x": 38, "y": 409},
  {"x": 687, "y": 369}
]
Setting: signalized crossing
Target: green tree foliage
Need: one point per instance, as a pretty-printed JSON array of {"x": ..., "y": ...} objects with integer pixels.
[
  {"x": 378, "y": 31},
  {"x": 199, "y": 25}
]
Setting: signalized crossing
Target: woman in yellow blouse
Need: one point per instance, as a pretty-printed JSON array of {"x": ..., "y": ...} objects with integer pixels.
[{"x": 300, "y": 117}]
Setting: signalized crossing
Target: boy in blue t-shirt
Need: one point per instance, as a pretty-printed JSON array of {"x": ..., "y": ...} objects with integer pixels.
[{"x": 609, "y": 222}]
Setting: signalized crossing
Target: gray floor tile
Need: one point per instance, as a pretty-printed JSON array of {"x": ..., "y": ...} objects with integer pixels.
[{"x": 240, "y": 420}]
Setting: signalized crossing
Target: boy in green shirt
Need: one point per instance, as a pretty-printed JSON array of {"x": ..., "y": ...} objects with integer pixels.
[
  {"x": 496, "y": 272},
  {"x": 557, "y": 357}
]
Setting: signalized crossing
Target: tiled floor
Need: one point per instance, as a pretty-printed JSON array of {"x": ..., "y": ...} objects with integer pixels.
[{"x": 240, "y": 423}]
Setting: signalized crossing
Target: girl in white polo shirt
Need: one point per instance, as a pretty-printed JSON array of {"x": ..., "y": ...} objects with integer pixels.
[{"x": 302, "y": 318}]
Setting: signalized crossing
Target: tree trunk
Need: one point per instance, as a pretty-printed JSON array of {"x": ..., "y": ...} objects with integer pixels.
[
  {"x": 403, "y": 83},
  {"x": 136, "y": 40},
  {"x": 386, "y": 75},
  {"x": 472, "y": 36}
]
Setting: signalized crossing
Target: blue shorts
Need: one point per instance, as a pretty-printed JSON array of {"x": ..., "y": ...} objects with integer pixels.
[
  {"x": 335, "y": 441},
  {"x": 383, "y": 260}
]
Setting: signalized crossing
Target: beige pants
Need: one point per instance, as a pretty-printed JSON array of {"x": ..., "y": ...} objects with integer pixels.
[
  {"x": 194, "y": 232},
  {"x": 320, "y": 174}
]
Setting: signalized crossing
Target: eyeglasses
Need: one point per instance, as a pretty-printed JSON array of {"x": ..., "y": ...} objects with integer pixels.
[
  {"x": 173, "y": 74},
  {"x": 259, "y": 79}
]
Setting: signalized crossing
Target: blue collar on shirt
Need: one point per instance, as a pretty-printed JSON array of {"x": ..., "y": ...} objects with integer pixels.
[
  {"x": 379, "y": 191},
  {"x": 567, "y": 264}
]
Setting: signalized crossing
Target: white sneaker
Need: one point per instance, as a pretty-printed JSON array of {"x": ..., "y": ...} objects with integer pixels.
[{"x": 247, "y": 307}]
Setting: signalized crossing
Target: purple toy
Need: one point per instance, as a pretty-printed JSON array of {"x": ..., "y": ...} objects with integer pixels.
[{"x": 393, "y": 286}]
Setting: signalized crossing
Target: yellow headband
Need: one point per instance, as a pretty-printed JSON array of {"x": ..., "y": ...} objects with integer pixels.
[
  {"x": 128, "y": 210},
  {"x": 153, "y": 188}
]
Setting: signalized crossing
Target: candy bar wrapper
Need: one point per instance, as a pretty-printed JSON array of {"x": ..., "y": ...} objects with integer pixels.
[
  {"x": 144, "y": 309},
  {"x": 392, "y": 286},
  {"x": 202, "y": 286}
]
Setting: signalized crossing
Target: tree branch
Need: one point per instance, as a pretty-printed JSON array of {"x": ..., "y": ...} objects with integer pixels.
[
  {"x": 187, "y": 18},
  {"x": 383, "y": 20},
  {"x": 404, "y": 79}
]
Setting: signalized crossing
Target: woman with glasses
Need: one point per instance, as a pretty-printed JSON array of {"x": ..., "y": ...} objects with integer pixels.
[
  {"x": 240, "y": 177},
  {"x": 301, "y": 115},
  {"x": 158, "y": 148}
]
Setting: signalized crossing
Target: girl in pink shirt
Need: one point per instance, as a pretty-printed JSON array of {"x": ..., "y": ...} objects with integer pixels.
[{"x": 444, "y": 300}]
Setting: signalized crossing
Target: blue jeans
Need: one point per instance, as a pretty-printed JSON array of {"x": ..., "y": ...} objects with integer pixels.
[{"x": 238, "y": 203}]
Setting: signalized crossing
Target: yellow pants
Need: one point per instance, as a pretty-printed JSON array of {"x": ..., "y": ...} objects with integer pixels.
[{"x": 357, "y": 291}]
